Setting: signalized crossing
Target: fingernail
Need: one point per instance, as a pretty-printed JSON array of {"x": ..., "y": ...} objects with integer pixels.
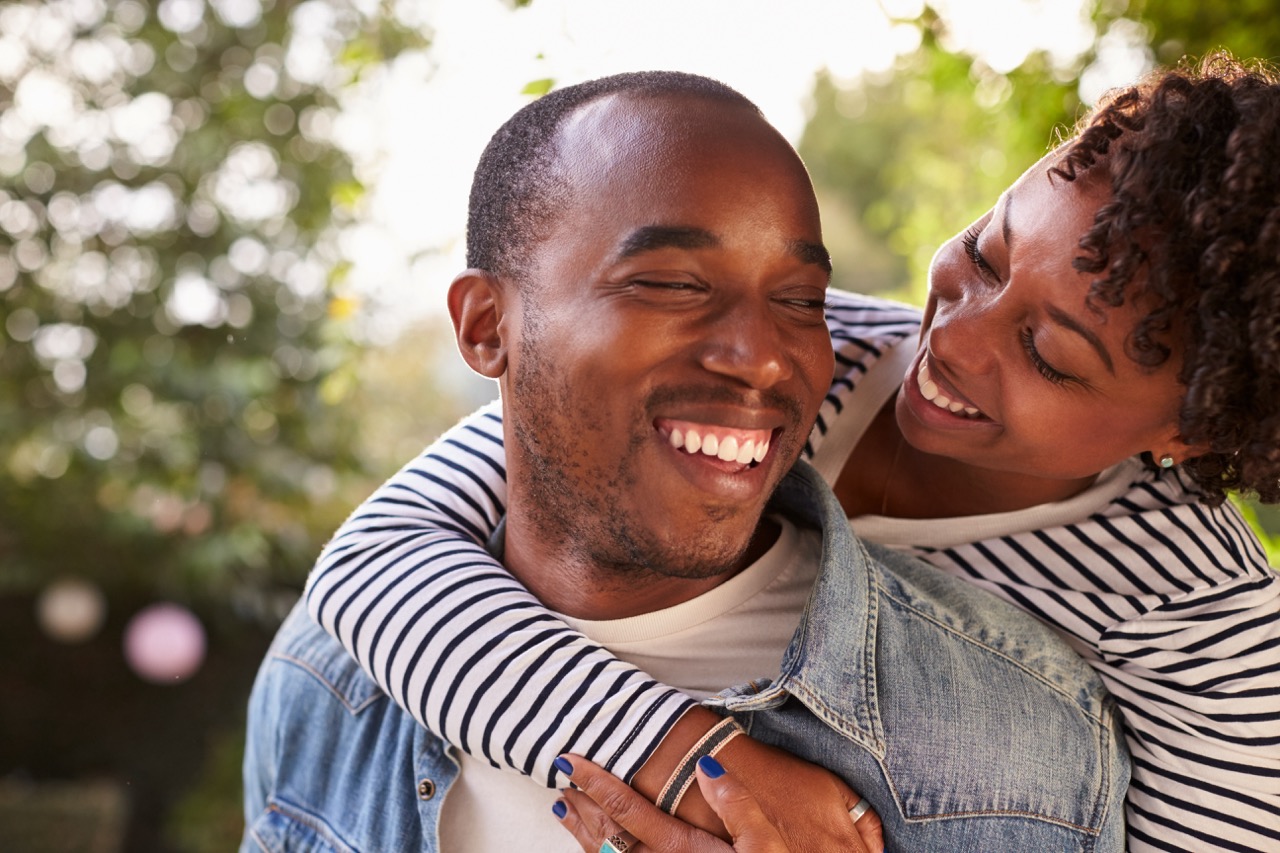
[
  {"x": 559, "y": 809},
  {"x": 711, "y": 767},
  {"x": 562, "y": 764}
]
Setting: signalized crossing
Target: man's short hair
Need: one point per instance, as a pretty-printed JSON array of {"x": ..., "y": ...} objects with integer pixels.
[{"x": 517, "y": 188}]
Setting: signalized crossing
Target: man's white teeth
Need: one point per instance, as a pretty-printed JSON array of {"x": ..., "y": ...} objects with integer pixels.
[
  {"x": 931, "y": 392},
  {"x": 727, "y": 449}
]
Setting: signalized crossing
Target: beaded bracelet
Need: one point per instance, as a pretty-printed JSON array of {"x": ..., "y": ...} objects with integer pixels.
[{"x": 711, "y": 743}]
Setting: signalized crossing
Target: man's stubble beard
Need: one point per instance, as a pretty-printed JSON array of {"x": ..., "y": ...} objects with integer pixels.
[{"x": 580, "y": 511}]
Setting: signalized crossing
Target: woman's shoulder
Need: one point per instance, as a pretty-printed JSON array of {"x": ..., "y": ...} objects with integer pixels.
[{"x": 1203, "y": 546}]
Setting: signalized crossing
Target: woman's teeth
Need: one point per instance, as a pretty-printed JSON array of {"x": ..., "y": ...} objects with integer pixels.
[
  {"x": 728, "y": 449},
  {"x": 931, "y": 392}
]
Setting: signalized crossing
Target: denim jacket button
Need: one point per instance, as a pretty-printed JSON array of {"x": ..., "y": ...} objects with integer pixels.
[{"x": 426, "y": 789}]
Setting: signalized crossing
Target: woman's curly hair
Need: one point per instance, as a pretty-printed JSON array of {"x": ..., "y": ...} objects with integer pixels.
[{"x": 1193, "y": 226}]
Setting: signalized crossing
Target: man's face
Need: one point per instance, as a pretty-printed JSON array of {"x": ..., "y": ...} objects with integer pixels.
[{"x": 672, "y": 351}]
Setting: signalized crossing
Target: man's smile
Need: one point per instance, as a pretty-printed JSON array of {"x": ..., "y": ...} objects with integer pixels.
[{"x": 743, "y": 446}]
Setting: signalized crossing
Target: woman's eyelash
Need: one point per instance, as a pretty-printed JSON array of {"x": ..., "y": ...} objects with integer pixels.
[
  {"x": 1043, "y": 367},
  {"x": 970, "y": 243}
]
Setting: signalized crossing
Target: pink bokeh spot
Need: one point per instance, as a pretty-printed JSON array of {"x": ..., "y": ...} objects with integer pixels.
[{"x": 164, "y": 643}]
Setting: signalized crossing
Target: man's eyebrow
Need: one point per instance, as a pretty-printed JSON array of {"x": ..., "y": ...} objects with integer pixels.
[
  {"x": 650, "y": 238},
  {"x": 1065, "y": 320},
  {"x": 811, "y": 253}
]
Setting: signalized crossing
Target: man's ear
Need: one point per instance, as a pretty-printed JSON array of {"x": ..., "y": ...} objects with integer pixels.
[{"x": 478, "y": 306}]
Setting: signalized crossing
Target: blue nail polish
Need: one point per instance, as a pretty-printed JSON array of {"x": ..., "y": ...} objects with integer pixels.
[
  {"x": 562, "y": 764},
  {"x": 559, "y": 809},
  {"x": 711, "y": 767}
]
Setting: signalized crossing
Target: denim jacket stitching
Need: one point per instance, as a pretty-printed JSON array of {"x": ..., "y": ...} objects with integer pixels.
[
  {"x": 1087, "y": 710},
  {"x": 298, "y": 814},
  {"x": 354, "y": 709}
]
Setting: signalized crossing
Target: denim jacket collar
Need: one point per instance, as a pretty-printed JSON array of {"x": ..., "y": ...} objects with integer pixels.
[{"x": 846, "y": 649}]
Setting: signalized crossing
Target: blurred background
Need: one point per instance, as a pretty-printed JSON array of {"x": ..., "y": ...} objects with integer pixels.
[{"x": 226, "y": 228}]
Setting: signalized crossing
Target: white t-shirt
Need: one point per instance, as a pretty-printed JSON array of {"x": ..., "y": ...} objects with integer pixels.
[{"x": 728, "y": 635}]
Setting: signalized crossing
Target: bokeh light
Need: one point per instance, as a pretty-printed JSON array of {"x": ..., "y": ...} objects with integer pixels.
[
  {"x": 164, "y": 643},
  {"x": 71, "y": 610}
]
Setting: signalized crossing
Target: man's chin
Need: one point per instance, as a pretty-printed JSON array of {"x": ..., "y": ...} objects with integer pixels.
[{"x": 714, "y": 548}]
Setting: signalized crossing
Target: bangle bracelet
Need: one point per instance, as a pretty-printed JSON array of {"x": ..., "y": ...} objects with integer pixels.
[{"x": 711, "y": 743}]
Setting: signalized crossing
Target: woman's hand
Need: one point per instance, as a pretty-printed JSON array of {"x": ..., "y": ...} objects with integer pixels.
[
  {"x": 603, "y": 806},
  {"x": 808, "y": 805}
]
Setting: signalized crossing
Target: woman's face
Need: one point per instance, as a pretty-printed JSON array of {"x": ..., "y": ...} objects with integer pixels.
[{"x": 1015, "y": 373}]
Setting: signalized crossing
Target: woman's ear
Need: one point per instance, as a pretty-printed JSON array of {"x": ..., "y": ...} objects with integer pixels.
[
  {"x": 1176, "y": 451},
  {"x": 477, "y": 304}
]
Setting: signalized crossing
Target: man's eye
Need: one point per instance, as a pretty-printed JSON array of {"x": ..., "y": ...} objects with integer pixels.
[
  {"x": 665, "y": 285},
  {"x": 809, "y": 304}
]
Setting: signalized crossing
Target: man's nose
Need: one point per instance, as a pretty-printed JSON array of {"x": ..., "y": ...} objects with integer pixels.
[{"x": 746, "y": 343}]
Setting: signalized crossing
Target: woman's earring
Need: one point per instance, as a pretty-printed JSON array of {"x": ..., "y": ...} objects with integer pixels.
[{"x": 1166, "y": 461}]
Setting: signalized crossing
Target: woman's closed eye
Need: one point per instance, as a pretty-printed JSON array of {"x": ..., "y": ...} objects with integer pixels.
[
  {"x": 970, "y": 242},
  {"x": 1043, "y": 367}
]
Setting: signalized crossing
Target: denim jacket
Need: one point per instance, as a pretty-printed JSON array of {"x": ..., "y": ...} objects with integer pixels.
[{"x": 968, "y": 725}]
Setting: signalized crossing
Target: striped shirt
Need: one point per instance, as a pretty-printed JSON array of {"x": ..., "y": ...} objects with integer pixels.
[{"x": 1172, "y": 602}]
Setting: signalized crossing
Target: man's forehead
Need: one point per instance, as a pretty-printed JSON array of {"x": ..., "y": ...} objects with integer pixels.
[{"x": 624, "y": 125}]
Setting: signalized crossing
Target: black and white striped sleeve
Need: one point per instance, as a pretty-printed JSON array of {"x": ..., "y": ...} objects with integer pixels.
[
  {"x": 1198, "y": 683},
  {"x": 407, "y": 587}
]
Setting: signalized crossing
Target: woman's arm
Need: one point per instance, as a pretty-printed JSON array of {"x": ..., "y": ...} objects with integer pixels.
[
  {"x": 463, "y": 647},
  {"x": 408, "y": 588},
  {"x": 1198, "y": 684}
]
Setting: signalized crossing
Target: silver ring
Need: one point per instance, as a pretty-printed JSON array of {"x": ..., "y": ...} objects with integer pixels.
[
  {"x": 860, "y": 808},
  {"x": 619, "y": 843}
]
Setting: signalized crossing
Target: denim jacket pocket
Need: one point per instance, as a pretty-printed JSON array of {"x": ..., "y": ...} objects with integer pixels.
[{"x": 285, "y": 828}]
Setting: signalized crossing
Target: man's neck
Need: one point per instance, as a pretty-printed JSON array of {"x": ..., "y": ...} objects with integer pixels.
[{"x": 567, "y": 582}]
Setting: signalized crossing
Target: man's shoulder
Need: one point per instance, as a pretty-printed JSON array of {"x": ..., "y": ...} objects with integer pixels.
[
  {"x": 928, "y": 601},
  {"x": 330, "y": 761},
  {"x": 967, "y": 723},
  {"x": 304, "y": 650}
]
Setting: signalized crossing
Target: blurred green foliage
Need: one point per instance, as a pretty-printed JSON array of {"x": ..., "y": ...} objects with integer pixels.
[
  {"x": 183, "y": 411},
  {"x": 173, "y": 349},
  {"x": 904, "y": 160}
]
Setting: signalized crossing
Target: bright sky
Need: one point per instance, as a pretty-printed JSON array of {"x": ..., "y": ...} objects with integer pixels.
[{"x": 417, "y": 130}]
